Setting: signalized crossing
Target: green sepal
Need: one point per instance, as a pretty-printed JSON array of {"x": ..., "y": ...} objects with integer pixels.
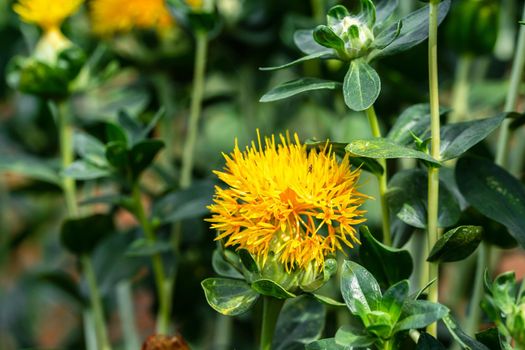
[
  {"x": 229, "y": 297},
  {"x": 326, "y": 37},
  {"x": 336, "y": 14}
]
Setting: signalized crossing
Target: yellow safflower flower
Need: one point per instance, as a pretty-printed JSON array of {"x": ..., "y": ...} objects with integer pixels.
[
  {"x": 114, "y": 16},
  {"x": 298, "y": 205},
  {"x": 48, "y": 15}
]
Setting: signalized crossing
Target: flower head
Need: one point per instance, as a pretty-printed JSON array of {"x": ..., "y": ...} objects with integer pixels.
[
  {"x": 48, "y": 14},
  {"x": 114, "y": 16},
  {"x": 284, "y": 201}
]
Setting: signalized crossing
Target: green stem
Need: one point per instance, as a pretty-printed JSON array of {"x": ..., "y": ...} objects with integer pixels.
[
  {"x": 512, "y": 97},
  {"x": 433, "y": 172},
  {"x": 65, "y": 131},
  {"x": 196, "y": 107},
  {"x": 271, "y": 309},
  {"x": 127, "y": 315},
  {"x": 483, "y": 261},
  {"x": 388, "y": 344},
  {"x": 382, "y": 179},
  {"x": 96, "y": 304},
  {"x": 163, "y": 284},
  {"x": 318, "y": 10},
  {"x": 460, "y": 95}
]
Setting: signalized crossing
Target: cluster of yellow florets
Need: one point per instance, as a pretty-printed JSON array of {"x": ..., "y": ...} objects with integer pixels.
[{"x": 299, "y": 205}]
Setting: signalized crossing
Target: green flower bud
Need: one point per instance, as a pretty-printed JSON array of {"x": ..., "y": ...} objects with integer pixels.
[
  {"x": 516, "y": 325},
  {"x": 350, "y": 35}
]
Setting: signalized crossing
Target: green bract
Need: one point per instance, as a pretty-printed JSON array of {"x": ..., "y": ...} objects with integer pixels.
[{"x": 271, "y": 279}]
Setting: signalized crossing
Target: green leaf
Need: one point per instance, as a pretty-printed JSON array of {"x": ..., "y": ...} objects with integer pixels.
[
  {"x": 361, "y": 85},
  {"x": 407, "y": 199},
  {"x": 304, "y": 40},
  {"x": 272, "y": 289},
  {"x": 223, "y": 267},
  {"x": 298, "y": 86},
  {"x": 457, "y": 244},
  {"x": 117, "y": 155},
  {"x": 389, "y": 265},
  {"x": 465, "y": 341},
  {"x": 349, "y": 336},
  {"x": 379, "y": 148},
  {"x": 184, "y": 204},
  {"x": 360, "y": 289},
  {"x": 457, "y": 138},
  {"x": 28, "y": 166},
  {"x": 65, "y": 283},
  {"x": 328, "y": 53},
  {"x": 385, "y": 9},
  {"x": 115, "y": 133},
  {"x": 413, "y": 120},
  {"x": 413, "y": 32},
  {"x": 368, "y": 164},
  {"x": 428, "y": 342},
  {"x": 90, "y": 149},
  {"x": 144, "y": 247},
  {"x": 386, "y": 37},
  {"x": 300, "y": 322},
  {"x": 327, "y": 300},
  {"x": 325, "y": 344},
  {"x": 142, "y": 155},
  {"x": 394, "y": 299},
  {"x": 493, "y": 192},
  {"x": 228, "y": 296},
  {"x": 82, "y": 235},
  {"x": 83, "y": 170},
  {"x": 419, "y": 314},
  {"x": 338, "y": 148},
  {"x": 490, "y": 338}
]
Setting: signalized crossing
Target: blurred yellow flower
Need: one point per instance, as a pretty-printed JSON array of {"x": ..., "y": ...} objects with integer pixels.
[
  {"x": 114, "y": 16},
  {"x": 298, "y": 205},
  {"x": 48, "y": 14}
]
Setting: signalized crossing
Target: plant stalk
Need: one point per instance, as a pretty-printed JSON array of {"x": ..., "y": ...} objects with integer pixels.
[
  {"x": 382, "y": 179},
  {"x": 65, "y": 131},
  {"x": 433, "y": 172},
  {"x": 96, "y": 303},
  {"x": 460, "y": 95},
  {"x": 483, "y": 261},
  {"x": 195, "y": 109},
  {"x": 271, "y": 309},
  {"x": 163, "y": 284}
]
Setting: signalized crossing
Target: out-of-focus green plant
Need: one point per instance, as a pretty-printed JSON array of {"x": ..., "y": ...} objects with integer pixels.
[{"x": 504, "y": 303}]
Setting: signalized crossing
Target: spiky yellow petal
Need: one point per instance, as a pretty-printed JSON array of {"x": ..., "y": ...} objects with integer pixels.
[
  {"x": 114, "y": 16},
  {"x": 283, "y": 199},
  {"x": 48, "y": 14}
]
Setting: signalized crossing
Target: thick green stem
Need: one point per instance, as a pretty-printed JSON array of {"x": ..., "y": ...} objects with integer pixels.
[
  {"x": 460, "y": 94},
  {"x": 127, "y": 315},
  {"x": 271, "y": 309},
  {"x": 318, "y": 10},
  {"x": 196, "y": 107},
  {"x": 96, "y": 304},
  {"x": 433, "y": 173},
  {"x": 382, "y": 179},
  {"x": 163, "y": 284},
  {"x": 65, "y": 132}
]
